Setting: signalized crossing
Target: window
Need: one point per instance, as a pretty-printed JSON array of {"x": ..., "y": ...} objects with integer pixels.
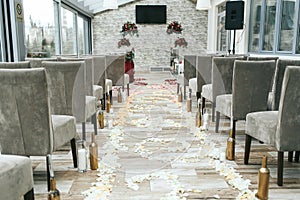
[
  {"x": 83, "y": 35},
  {"x": 55, "y": 28},
  {"x": 287, "y": 26},
  {"x": 223, "y": 36},
  {"x": 273, "y": 26},
  {"x": 40, "y": 30},
  {"x": 69, "y": 41},
  {"x": 269, "y": 25},
  {"x": 255, "y": 25}
]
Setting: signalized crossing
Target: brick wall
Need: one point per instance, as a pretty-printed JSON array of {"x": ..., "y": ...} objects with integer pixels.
[{"x": 152, "y": 47}]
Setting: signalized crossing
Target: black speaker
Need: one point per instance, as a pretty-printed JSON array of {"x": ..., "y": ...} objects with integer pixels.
[{"x": 234, "y": 15}]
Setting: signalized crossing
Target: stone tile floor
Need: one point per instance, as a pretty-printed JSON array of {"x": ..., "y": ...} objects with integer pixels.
[{"x": 154, "y": 151}]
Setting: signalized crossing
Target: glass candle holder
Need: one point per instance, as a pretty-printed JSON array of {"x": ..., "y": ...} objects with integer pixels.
[{"x": 82, "y": 156}]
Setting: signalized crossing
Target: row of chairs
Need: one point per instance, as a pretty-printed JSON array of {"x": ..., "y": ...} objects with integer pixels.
[
  {"x": 262, "y": 91},
  {"x": 41, "y": 103}
]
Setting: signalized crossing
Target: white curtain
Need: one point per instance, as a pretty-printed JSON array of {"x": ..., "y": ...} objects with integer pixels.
[
  {"x": 110, "y": 4},
  {"x": 203, "y": 4}
]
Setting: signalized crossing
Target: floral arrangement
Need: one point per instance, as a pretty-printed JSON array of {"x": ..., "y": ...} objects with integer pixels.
[
  {"x": 129, "y": 28},
  {"x": 174, "y": 27},
  {"x": 181, "y": 42},
  {"x": 124, "y": 42},
  {"x": 129, "y": 55}
]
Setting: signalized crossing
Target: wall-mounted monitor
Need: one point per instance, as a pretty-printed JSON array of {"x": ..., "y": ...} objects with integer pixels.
[{"x": 151, "y": 14}]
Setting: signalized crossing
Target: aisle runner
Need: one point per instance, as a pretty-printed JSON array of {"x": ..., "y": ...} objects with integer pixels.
[{"x": 152, "y": 126}]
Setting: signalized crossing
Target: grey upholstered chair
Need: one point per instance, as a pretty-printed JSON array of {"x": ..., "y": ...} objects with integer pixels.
[
  {"x": 250, "y": 88},
  {"x": 99, "y": 75},
  {"x": 261, "y": 58},
  {"x": 14, "y": 65},
  {"x": 279, "y": 73},
  {"x": 27, "y": 126},
  {"x": 189, "y": 71},
  {"x": 114, "y": 72},
  {"x": 222, "y": 71},
  {"x": 279, "y": 128},
  {"x": 16, "y": 178},
  {"x": 68, "y": 92},
  {"x": 203, "y": 72}
]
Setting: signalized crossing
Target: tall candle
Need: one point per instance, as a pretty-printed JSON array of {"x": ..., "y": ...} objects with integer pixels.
[
  {"x": 205, "y": 118},
  {"x": 82, "y": 163}
]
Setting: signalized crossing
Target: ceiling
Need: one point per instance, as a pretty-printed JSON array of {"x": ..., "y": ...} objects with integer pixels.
[{"x": 92, "y": 7}]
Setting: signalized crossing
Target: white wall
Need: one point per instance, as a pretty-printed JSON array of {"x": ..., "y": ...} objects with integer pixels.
[{"x": 153, "y": 44}]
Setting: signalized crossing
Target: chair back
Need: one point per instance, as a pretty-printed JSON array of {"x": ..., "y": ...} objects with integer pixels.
[
  {"x": 89, "y": 75},
  {"x": 99, "y": 70},
  {"x": 189, "y": 68},
  {"x": 37, "y": 62},
  {"x": 115, "y": 68},
  {"x": 24, "y": 112},
  {"x": 15, "y": 65},
  {"x": 287, "y": 134},
  {"x": 254, "y": 58},
  {"x": 250, "y": 86},
  {"x": 278, "y": 78},
  {"x": 203, "y": 71},
  {"x": 222, "y": 72},
  {"x": 67, "y": 88}
]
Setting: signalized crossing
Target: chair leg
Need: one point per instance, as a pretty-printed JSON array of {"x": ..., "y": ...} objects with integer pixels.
[
  {"x": 202, "y": 104},
  {"x": 83, "y": 131},
  {"x": 297, "y": 154},
  {"x": 128, "y": 89},
  {"x": 111, "y": 98},
  {"x": 74, "y": 152},
  {"x": 48, "y": 163},
  {"x": 103, "y": 102},
  {"x": 184, "y": 92},
  {"x": 217, "y": 121},
  {"x": 213, "y": 107},
  {"x": 94, "y": 121},
  {"x": 198, "y": 95},
  {"x": 280, "y": 168},
  {"x": 29, "y": 195},
  {"x": 290, "y": 156},
  {"x": 247, "y": 149}
]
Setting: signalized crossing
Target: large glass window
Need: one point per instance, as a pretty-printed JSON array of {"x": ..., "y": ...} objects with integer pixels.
[
  {"x": 39, "y": 28},
  {"x": 298, "y": 36},
  {"x": 81, "y": 47},
  {"x": 69, "y": 37},
  {"x": 287, "y": 26},
  {"x": 55, "y": 28},
  {"x": 223, "y": 36},
  {"x": 274, "y": 26},
  {"x": 255, "y": 25},
  {"x": 269, "y": 25}
]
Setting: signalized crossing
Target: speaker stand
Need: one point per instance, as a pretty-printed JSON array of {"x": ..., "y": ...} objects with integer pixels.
[{"x": 233, "y": 47}]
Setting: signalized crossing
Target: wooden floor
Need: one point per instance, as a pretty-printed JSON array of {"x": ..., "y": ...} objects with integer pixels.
[{"x": 153, "y": 151}]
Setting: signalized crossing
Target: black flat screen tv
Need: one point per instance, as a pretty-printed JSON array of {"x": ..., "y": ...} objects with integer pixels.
[{"x": 151, "y": 14}]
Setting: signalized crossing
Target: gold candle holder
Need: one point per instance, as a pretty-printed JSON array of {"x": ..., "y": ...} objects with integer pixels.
[
  {"x": 93, "y": 153},
  {"x": 263, "y": 180},
  {"x": 54, "y": 193},
  {"x": 198, "y": 117},
  {"x": 180, "y": 96},
  {"x": 108, "y": 104},
  {"x": 101, "y": 119},
  {"x": 119, "y": 96},
  {"x": 189, "y": 105},
  {"x": 230, "y": 148}
]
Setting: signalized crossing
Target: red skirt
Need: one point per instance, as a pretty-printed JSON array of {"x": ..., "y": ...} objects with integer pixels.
[{"x": 129, "y": 69}]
